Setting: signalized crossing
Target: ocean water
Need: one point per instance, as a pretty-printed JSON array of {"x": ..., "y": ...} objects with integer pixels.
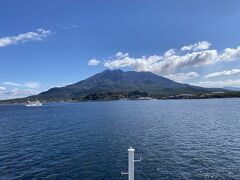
[{"x": 176, "y": 139}]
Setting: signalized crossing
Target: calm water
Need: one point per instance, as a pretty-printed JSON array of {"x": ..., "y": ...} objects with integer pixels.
[{"x": 176, "y": 139}]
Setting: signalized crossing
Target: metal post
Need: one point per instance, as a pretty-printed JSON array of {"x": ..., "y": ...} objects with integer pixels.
[{"x": 131, "y": 164}]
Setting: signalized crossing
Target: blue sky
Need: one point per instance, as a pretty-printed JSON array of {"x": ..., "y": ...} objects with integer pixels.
[{"x": 54, "y": 43}]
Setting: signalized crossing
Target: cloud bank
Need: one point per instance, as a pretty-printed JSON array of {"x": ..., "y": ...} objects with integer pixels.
[
  {"x": 38, "y": 35},
  {"x": 163, "y": 64},
  {"x": 198, "y": 55}
]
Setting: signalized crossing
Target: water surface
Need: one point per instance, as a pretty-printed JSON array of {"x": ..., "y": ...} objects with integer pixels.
[{"x": 176, "y": 139}]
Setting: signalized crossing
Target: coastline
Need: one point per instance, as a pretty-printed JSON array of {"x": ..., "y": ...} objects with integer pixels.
[{"x": 22, "y": 101}]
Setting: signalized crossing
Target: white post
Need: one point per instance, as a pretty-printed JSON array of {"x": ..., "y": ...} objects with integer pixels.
[{"x": 131, "y": 163}]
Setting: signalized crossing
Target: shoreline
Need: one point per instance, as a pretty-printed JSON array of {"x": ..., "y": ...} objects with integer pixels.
[{"x": 152, "y": 99}]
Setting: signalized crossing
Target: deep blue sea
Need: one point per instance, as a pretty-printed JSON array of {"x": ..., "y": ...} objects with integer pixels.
[{"x": 176, "y": 139}]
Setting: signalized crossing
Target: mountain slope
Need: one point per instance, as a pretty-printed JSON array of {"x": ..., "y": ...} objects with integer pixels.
[{"x": 118, "y": 81}]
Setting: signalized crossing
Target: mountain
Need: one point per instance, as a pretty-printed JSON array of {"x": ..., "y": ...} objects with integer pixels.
[
  {"x": 117, "y": 84},
  {"x": 120, "y": 82}
]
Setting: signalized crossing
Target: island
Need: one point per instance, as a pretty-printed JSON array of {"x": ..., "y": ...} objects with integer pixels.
[{"x": 130, "y": 85}]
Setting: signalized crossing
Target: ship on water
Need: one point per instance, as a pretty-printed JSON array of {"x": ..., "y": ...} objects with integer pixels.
[{"x": 33, "y": 103}]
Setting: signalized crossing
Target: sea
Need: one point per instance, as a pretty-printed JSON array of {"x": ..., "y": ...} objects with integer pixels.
[{"x": 176, "y": 139}]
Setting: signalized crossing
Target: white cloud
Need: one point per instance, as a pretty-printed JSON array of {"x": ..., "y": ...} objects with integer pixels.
[
  {"x": 223, "y": 73},
  {"x": 122, "y": 55},
  {"x": 219, "y": 84},
  {"x": 19, "y": 90},
  {"x": 201, "y": 45},
  {"x": 169, "y": 53},
  {"x": 170, "y": 64},
  {"x": 163, "y": 64},
  {"x": 21, "y": 93},
  {"x": 182, "y": 77},
  {"x": 230, "y": 54},
  {"x": 38, "y": 35},
  {"x": 93, "y": 62}
]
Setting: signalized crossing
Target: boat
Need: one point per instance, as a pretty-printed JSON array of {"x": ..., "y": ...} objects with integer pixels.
[
  {"x": 145, "y": 98},
  {"x": 33, "y": 103}
]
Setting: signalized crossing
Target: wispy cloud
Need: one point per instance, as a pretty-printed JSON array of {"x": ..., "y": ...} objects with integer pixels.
[
  {"x": 16, "y": 93},
  {"x": 38, "y": 35},
  {"x": 219, "y": 84},
  {"x": 232, "y": 72},
  {"x": 11, "y": 83},
  {"x": 93, "y": 62},
  {"x": 21, "y": 93},
  {"x": 32, "y": 85},
  {"x": 182, "y": 77},
  {"x": 12, "y": 90},
  {"x": 66, "y": 26}
]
